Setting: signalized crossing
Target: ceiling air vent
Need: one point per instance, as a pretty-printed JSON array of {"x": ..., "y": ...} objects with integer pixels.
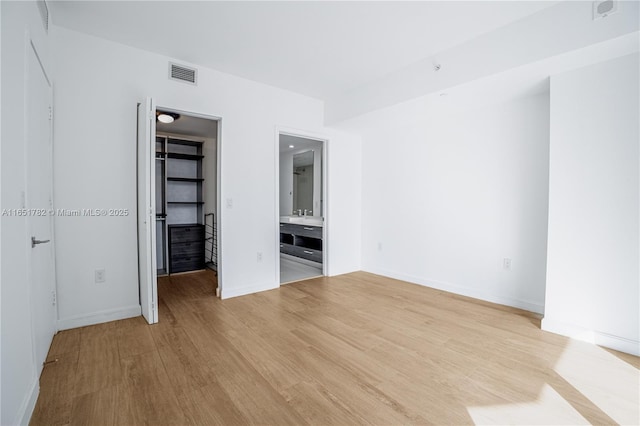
[
  {"x": 184, "y": 74},
  {"x": 602, "y": 9},
  {"x": 44, "y": 14}
]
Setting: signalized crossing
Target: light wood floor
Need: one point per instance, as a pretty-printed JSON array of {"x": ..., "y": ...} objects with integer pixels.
[{"x": 353, "y": 349}]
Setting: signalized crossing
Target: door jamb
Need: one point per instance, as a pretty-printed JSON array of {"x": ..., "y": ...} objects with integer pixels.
[
  {"x": 281, "y": 130},
  {"x": 219, "y": 210},
  {"x": 30, "y": 48}
]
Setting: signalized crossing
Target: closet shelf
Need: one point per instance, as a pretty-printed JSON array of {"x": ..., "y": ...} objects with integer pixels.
[
  {"x": 181, "y": 179},
  {"x": 180, "y": 185},
  {"x": 185, "y": 202},
  {"x": 172, "y": 141},
  {"x": 180, "y": 156}
]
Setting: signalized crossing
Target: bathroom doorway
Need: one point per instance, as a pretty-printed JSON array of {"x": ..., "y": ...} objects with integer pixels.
[{"x": 302, "y": 206}]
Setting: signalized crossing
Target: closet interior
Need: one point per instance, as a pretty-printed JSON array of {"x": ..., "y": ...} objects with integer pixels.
[{"x": 186, "y": 225}]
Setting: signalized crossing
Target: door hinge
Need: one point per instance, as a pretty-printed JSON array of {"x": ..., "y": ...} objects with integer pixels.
[
  {"x": 50, "y": 113},
  {"x": 54, "y": 297}
]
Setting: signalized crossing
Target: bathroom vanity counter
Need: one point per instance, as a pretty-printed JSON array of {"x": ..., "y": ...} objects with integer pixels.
[
  {"x": 303, "y": 220},
  {"x": 302, "y": 238}
]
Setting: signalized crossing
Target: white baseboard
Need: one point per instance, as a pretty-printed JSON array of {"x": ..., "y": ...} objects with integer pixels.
[
  {"x": 577, "y": 332},
  {"x": 462, "y": 290},
  {"x": 228, "y": 293},
  {"x": 25, "y": 412},
  {"x": 99, "y": 317}
]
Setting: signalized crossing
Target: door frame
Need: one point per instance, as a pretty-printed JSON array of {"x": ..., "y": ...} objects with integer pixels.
[
  {"x": 145, "y": 214},
  {"x": 281, "y": 130},
  {"x": 219, "y": 210},
  {"x": 31, "y": 49}
]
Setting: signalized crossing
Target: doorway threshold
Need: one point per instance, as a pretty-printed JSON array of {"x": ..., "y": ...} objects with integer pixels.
[{"x": 292, "y": 271}]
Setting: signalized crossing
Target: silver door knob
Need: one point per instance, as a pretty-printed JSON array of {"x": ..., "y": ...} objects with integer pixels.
[{"x": 35, "y": 242}]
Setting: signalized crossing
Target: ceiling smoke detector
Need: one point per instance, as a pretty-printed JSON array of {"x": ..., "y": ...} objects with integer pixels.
[{"x": 602, "y": 9}]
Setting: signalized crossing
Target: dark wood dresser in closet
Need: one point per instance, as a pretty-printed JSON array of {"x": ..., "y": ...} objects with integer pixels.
[{"x": 186, "y": 247}]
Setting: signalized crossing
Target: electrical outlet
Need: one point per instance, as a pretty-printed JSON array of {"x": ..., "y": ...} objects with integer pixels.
[
  {"x": 229, "y": 203},
  {"x": 506, "y": 264},
  {"x": 100, "y": 276},
  {"x": 259, "y": 256}
]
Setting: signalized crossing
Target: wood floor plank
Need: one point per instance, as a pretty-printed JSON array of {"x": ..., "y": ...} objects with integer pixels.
[
  {"x": 210, "y": 405},
  {"x": 56, "y": 391},
  {"x": 96, "y": 408},
  {"x": 341, "y": 353},
  {"x": 353, "y": 349},
  {"x": 252, "y": 394},
  {"x": 434, "y": 405},
  {"x": 318, "y": 406},
  {"x": 346, "y": 383},
  {"x": 189, "y": 368},
  {"x": 146, "y": 395},
  {"x": 64, "y": 342},
  {"x": 99, "y": 360},
  {"x": 135, "y": 340},
  {"x": 354, "y": 336},
  {"x": 270, "y": 357}
]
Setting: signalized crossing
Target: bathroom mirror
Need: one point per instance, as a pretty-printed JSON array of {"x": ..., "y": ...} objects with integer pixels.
[
  {"x": 303, "y": 181},
  {"x": 300, "y": 176}
]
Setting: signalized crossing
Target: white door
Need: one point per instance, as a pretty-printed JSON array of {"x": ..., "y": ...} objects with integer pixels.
[
  {"x": 38, "y": 201},
  {"x": 148, "y": 274}
]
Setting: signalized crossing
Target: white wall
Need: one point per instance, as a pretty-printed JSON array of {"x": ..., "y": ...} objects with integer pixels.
[
  {"x": 95, "y": 167},
  {"x": 451, "y": 188},
  {"x": 343, "y": 204},
  {"x": 594, "y": 216},
  {"x": 19, "y": 383}
]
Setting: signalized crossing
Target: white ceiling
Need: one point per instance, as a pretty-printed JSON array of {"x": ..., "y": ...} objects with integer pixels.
[
  {"x": 187, "y": 125},
  {"x": 321, "y": 49},
  {"x": 299, "y": 144}
]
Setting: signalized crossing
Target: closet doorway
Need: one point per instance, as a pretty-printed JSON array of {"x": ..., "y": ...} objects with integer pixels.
[
  {"x": 302, "y": 206},
  {"x": 179, "y": 181}
]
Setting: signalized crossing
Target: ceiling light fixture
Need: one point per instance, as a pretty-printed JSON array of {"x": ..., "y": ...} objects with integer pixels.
[
  {"x": 291, "y": 146},
  {"x": 166, "y": 117}
]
